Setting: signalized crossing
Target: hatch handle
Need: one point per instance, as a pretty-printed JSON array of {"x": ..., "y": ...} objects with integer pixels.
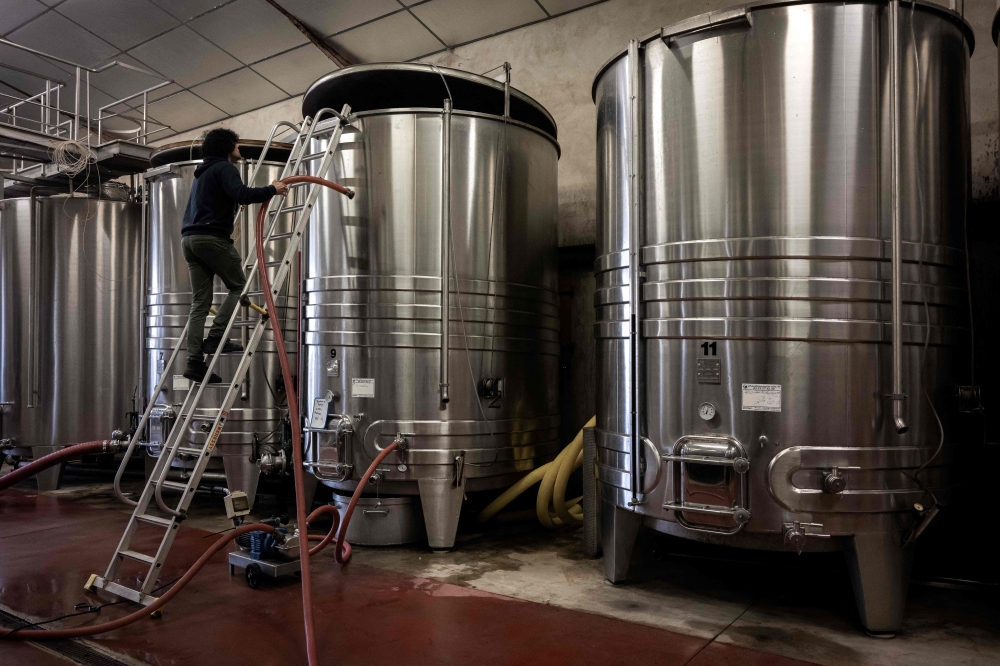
[{"x": 705, "y": 24}]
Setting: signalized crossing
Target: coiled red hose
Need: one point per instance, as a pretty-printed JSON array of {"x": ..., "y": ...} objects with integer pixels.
[{"x": 54, "y": 458}]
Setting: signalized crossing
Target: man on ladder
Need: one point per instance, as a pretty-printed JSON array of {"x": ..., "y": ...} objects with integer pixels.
[{"x": 208, "y": 247}]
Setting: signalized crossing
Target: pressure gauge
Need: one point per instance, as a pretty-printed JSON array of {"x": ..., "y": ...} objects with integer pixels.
[{"x": 706, "y": 411}]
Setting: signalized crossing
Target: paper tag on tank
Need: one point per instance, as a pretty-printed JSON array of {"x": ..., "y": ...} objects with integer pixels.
[
  {"x": 362, "y": 387},
  {"x": 762, "y": 397}
]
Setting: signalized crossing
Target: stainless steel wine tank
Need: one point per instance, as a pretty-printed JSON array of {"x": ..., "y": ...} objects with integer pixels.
[
  {"x": 781, "y": 201},
  {"x": 69, "y": 279},
  {"x": 373, "y": 267}
]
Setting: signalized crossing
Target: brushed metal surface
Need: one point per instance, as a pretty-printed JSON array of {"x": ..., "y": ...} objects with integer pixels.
[
  {"x": 84, "y": 255},
  {"x": 372, "y": 276},
  {"x": 259, "y": 411},
  {"x": 766, "y": 231}
]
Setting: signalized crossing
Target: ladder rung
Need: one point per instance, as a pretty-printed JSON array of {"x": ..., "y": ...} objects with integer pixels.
[
  {"x": 188, "y": 451},
  {"x": 138, "y": 557},
  {"x": 174, "y": 485},
  {"x": 288, "y": 209},
  {"x": 272, "y": 264},
  {"x": 154, "y": 520},
  {"x": 275, "y": 237},
  {"x": 125, "y": 592}
]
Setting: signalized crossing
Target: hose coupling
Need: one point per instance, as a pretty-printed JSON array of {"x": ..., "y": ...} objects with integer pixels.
[
  {"x": 6, "y": 443},
  {"x": 112, "y": 445}
]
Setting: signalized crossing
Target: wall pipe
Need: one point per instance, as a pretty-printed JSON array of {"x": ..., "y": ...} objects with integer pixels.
[
  {"x": 898, "y": 397},
  {"x": 445, "y": 247}
]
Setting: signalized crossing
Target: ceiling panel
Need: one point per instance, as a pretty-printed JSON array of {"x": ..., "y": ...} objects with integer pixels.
[
  {"x": 460, "y": 21},
  {"x": 32, "y": 63},
  {"x": 187, "y": 9},
  {"x": 326, "y": 17},
  {"x": 249, "y": 30},
  {"x": 561, "y": 6},
  {"x": 391, "y": 39},
  {"x": 124, "y": 23},
  {"x": 184, "y": 111},
  {"x": 55, "y": 34},
  {"x": 121, "y": 82},
  {"x": 185, "y": 56},
  {"x": 296, "y": 70},
  {"x": 240, "y": 91},
  {"x": 16, "y": 12}
]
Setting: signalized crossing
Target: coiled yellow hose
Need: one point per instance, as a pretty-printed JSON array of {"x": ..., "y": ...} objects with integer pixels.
[{"x": 551, "y": 507}]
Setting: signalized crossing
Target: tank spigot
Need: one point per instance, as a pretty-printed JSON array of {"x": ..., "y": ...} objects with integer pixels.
[{"x": 834, "y": 482}]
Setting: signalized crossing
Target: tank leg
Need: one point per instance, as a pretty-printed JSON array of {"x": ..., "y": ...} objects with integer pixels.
[
  {"x": 880, "y": 574},
  {"x": 442, "y": 504},
  {"x": 48, "y": 479},
  {"x": 619, "y": 529},
  {"x": 241, "y": 474}
]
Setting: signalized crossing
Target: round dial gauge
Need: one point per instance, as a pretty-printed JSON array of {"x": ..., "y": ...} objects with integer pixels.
[{"x": 706, "y": 411}]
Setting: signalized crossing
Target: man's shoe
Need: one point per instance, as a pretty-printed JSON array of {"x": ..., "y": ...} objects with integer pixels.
[
  {"x": 211, "y": 344},
  {"x": 196, "y": 371}
]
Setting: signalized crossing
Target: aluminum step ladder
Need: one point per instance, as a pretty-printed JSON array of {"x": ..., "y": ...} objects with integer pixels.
[{"x": 169, "y": 517}]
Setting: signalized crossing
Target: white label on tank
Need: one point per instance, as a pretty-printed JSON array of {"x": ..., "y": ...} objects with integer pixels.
[
  {"x": 181, "y": 383},
  {"x": 362, "y": 387},
  {"x": 762, "y": 397},
  {"x": 321, "y": 407}
]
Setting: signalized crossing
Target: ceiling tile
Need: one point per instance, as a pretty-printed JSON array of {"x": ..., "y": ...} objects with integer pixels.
[
  {"x": 460, "y": 21},
  {"x": 394, "y": 38},
  {"x": 326, "y": 17},
  {"x": 124, "y": 23},
  {"x": 121, "y": 82},
  {"x": 240, "y": 91},
  {"x": 16, "y": 12},
  {"x": 32, "y": 63},
  {"x": 554, "y": 7},
  {"x": 56, "y": 35},
  {"x": 296, "y": 70},
  {"x": 188, "y": 9},
  {"x": 185, "y": 56},
  {"x": 249, "y": 30},
  {"x": 184, "y": 111}
]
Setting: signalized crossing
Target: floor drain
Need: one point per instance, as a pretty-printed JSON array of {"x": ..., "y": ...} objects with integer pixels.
[{"x": 78, "y": 652}]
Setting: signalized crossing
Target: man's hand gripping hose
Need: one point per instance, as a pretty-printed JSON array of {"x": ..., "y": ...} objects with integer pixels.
[{"x": 338, "y": 529}]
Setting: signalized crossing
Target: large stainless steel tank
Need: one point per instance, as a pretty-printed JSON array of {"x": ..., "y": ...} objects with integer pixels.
[
  {"x": 373, "y": 288},
  {"x": 774, "y": 147},
  {"x": 257, "y": 415},
  {"x": 69, "y": 279}
]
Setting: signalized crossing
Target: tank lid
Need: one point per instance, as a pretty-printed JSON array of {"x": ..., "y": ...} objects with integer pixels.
[
  {"x": 189, "y": 151},
  {"x": 701, "y": 21},
  {"x": 394, "y": 85}
]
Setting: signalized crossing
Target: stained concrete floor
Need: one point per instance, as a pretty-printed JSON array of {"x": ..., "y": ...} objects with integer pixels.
[{"x": 800, "y": 608}]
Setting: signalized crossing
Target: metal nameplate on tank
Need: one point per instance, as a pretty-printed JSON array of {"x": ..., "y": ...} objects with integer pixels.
[{"x": 709, "y": 371}]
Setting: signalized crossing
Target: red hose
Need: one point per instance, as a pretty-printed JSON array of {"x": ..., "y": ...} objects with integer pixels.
[
  {"x": 92, "y": 630},
  {"x": 343, "y": 551},
  {"x": 36, "y": 466},
  {"x": 293, "y": 410}
]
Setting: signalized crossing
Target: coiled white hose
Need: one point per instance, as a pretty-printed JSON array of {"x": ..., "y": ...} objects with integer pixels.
[{"x": 72, "y": 156}]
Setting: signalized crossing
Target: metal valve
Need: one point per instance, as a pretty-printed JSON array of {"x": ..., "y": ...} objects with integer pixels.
[
  {"x": 834, "y": 482},
  {"x": 796, "y": 533}
]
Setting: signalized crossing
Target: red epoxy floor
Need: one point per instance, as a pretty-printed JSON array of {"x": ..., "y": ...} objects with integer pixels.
[{"x": 49, "y": 547}]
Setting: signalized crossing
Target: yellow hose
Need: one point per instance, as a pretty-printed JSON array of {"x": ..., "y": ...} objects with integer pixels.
[{"x": 554, "y": 477}]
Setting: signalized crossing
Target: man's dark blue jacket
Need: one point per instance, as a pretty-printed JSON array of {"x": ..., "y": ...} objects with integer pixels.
[{"x": 216, "y": 192}]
